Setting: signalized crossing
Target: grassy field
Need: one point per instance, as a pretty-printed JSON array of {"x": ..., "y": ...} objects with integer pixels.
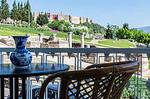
[
  {"x": 116, "y": 43},
  {"x": 9, "y": 30}
]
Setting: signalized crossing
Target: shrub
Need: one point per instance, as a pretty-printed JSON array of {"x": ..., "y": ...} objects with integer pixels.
[
  {"x": 60, "y": 25},
  {"x": 33, "y": 24}
]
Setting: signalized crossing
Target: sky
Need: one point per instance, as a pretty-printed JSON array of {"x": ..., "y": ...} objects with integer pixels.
[{"x": 134, "y": 12}]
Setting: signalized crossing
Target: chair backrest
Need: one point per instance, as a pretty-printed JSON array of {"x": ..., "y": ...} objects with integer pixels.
[
  {"x": 97, "y": 83},
  {"x": 120, "y": 79}
]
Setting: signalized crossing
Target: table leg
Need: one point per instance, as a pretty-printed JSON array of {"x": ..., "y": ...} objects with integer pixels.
[
  {"x": 11, "y": 88},
  {"x": 23, "y": 88},
  {"x": 2, "y": 88},
  {"x": 16, "y": 87}
]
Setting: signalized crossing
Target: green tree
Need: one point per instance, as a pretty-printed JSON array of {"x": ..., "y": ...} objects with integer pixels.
[
  {"x": 24, "y": 13},
  {"x": 122, "y": 33},
  {"x": 0, "y": 13},
  {"x": 146, "y": 39},
  {"x": 70, "y": 18},
  {"x": 27, "y": 14},
  {"x": 14, "y": 11},
  {"x": 42, "y": 19},
  {"x": 19, "y": 11},
  {"x": 125, "y": 26},
  {"x": 80, "y": 20},
  {"x": 4, "y": 10},
  {"x": 29, "y": 11},
  {"x": 108, "y": 34}
]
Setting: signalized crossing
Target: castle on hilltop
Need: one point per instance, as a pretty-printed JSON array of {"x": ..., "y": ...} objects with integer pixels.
[{"x": 60, "y": 16}]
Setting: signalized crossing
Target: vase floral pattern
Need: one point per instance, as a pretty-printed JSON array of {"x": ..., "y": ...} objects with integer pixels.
[{"x": 21, "y": 57}]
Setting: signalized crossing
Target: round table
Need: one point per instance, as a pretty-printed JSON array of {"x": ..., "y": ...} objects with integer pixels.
[{"x": 15, "y": 75}]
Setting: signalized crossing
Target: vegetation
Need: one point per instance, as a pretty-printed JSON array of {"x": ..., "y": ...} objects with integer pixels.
[
  {"x": 27, "y": 13},
  {"x": 134, "y": 89},
  {"x": 4, "y": 10},
  {"x": 42, "y": 19},
  {"x": 20, "y": 12},
  {"x": 94, "y": 28},
  {"x": 111, "y": 31},
  {"x": 78, "y": 29},
  {"x": 116, "y": 43},
  {"x": 125, "y": 26},
  {"x": 149, "y": 64},
  {"x": 60, "y": 25},
  {"x": 14, "y": 12},
  {"x": 134, "y": 35},
  {"x": 114, "y": 32},
  {"x": 9, "y": 30},
  {"x": 64, "y": 26}
]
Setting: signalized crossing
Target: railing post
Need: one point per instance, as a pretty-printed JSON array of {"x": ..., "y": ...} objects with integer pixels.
[
  {"x": 70, "y": 39},
  {"x": 82, "y": 40},
  {"x": 60, "y": 56},
  {"x": 78, "y": 61},
  {"x": 1, "y": 58}
]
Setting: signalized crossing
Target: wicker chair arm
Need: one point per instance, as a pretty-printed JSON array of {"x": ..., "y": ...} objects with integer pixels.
[{"x": 45, "y": 83}]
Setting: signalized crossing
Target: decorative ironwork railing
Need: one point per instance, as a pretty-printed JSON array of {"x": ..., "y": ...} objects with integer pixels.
[{"x": 79, "y": 58}]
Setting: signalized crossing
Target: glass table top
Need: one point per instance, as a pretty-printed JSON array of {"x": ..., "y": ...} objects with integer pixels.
[{"x": 34, "y": 69}]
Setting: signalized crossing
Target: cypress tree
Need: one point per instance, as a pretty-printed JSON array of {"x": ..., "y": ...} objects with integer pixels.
[
  {"x": 19, "y": 12},
  {"x": 4, "y": 10},
  {"x": 70, "y": 19},
  {"x": 24, "y": 13},
  {"x": 0, "y": 13},
  {"x": 27, "y": 12},
  {"x": 14, "y": 11}
]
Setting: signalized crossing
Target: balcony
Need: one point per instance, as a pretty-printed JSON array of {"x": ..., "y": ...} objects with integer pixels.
[{"x": 78, "y": 58}]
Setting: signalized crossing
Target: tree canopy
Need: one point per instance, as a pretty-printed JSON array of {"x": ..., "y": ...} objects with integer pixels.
[
  {"x": 4, "y": 10},
  {"x": 14, "y": 11},
  {"x": 42, "y": 19},
  {"x": 125, "y": 33},
  {"x": 19, "y": 11}
]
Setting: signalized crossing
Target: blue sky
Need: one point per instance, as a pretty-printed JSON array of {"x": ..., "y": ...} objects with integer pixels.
[{"x": 134, "y": 12}]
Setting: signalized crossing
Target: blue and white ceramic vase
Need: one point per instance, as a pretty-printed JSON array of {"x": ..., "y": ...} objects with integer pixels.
[{"x": 21, "y": 57}]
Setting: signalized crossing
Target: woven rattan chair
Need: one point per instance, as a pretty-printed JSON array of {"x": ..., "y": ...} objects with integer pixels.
[
  {"x": 94, "y": 83},
  {"x": 120, "y": 80}
]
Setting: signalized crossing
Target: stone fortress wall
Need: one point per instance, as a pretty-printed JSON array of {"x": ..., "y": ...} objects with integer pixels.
[{"x": 61, "y": 16}]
